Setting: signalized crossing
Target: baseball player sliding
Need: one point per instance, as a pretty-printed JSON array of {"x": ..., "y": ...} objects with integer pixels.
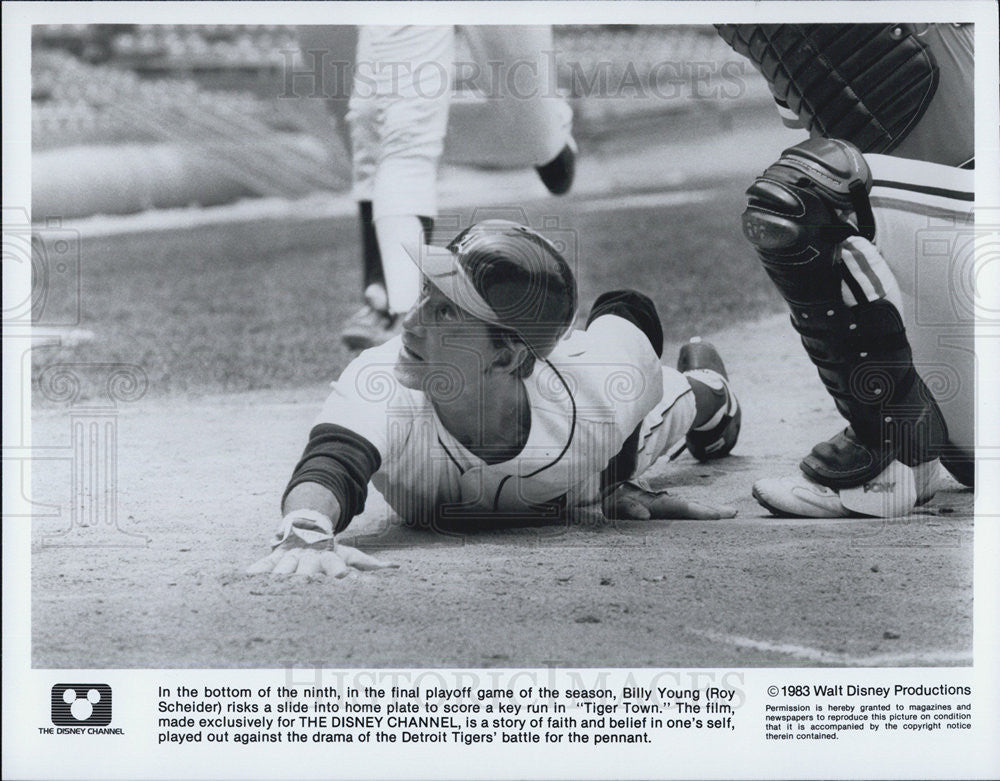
[
  {"x": 854, "y": 243},
  {"x": 489, "y": 404},
  {"x": 398, "y": 115}
]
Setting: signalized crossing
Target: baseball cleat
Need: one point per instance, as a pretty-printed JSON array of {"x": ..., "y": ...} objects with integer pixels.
[
  {"x": 797, "y": 496},
  {"x": 960, "y": 466},
  {"x": 370, "y": 327},
  {"x": 893, "y": 493},
  {"x": 717, "y": 437},
  {"x": 557, "y": 174}
]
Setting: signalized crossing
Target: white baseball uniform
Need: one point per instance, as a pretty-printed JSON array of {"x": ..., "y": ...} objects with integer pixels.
[
  {"x": 922, "y": 261},
  {"x": 510, "y": 114},
  {"x": 398, "y": 117},
  {"x": 586, "y": 399},
  {"x": 399, "y": 108}
]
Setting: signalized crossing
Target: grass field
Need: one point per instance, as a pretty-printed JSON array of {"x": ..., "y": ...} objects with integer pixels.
[{"x": 259, "y": 305}]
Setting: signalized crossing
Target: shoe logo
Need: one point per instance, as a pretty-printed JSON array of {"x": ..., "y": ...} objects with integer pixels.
[{"x": 879, "y": 488}]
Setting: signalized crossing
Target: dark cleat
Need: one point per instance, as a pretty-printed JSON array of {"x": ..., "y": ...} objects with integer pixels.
[
  {"x": 557, "y": 174},
  {"x": 721, "y": 438},
  {"x": 370, "y": 327}
]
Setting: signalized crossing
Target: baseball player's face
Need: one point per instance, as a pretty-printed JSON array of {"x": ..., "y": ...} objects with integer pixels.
[{"x": 445, "y": 350}]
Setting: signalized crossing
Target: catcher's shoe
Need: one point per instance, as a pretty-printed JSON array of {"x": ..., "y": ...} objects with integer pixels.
[
  {"x": 961, "y": 466},
  {"x": 557, "y": 174},
  {"x": 370, "y": 327},
  {"x": 718, "y": 436},
  {"x": 893, "y": 493}
]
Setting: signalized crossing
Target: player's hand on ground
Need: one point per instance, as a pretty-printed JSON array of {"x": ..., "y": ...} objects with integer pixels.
[
  {"x": 292, "y": 557},
  {"x": 304, "y": 544},
  {"x": 630, "y": 502}
]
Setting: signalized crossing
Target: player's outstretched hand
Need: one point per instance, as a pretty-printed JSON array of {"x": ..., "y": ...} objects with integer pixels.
[
  {"x": 338, "y": 561},
  {"x": 630, "y": 502}
]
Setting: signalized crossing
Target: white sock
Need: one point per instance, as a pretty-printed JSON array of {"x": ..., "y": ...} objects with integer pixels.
[{"x": 399, "y": 241}]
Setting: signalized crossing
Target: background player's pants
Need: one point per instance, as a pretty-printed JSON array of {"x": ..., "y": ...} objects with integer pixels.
[
  {"x": 398, "y": 118},
  {"x": 512, "y": 116},
  {"x": 508, "y": 112},
  {"x": 922, "y": 261}
]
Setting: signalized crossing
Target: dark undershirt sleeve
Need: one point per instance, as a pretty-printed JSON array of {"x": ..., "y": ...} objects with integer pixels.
[
  {"x": 634, "y": 307},
  {"x": 342, "y": 462}
]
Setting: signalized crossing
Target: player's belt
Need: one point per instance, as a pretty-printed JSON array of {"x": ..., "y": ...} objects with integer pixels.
[{"x": 864, "y": 83}]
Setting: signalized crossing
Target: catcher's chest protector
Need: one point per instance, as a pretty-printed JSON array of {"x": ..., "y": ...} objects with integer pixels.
[{"x": 865, "y": 83}]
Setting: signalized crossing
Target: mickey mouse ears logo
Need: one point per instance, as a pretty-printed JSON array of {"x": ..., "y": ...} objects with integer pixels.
[{"x": 81, "y": 704}]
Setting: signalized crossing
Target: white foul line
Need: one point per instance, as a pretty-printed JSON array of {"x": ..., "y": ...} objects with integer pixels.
[
  {"x": 323, "y": 205},
  {"x": 927, "y": 659},
  {"x": 646, "y": 200}
]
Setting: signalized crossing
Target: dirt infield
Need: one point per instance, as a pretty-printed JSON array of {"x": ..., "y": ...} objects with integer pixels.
[{"x": 200, "y": 479}]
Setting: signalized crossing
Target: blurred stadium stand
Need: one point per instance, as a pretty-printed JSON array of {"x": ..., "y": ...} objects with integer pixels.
[{"x": 203, "y": 102}]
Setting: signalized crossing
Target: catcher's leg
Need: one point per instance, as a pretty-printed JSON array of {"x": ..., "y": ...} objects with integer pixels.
[
  {"x": 800, "y": 215},
  {"x": 927, "y": 235}
]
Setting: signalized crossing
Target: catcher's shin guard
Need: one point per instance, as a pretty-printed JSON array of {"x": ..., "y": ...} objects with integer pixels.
[{"x": 798, "y": 213}]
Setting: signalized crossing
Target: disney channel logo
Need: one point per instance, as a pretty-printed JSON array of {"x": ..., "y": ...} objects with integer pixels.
[{"x": 82, "y": 708}]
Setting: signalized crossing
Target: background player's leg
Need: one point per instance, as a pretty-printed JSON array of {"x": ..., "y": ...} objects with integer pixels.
[
  {"x": 372, "y": 274},
  {"x": 405, "y": 189},
  {"x": 399, "y": 238},
  {"x": 395, "y": 282},
  {"x": 328, "y": 53},
  {"x": 370, "y": 325},
  {"x": 369, "y": 320},
  {"x": 398, "y": 126},
  {"x": 519, "y": 118}
]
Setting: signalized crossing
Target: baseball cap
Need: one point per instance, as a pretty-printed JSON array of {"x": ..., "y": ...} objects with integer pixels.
[{"x": 509, "y": 275}]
